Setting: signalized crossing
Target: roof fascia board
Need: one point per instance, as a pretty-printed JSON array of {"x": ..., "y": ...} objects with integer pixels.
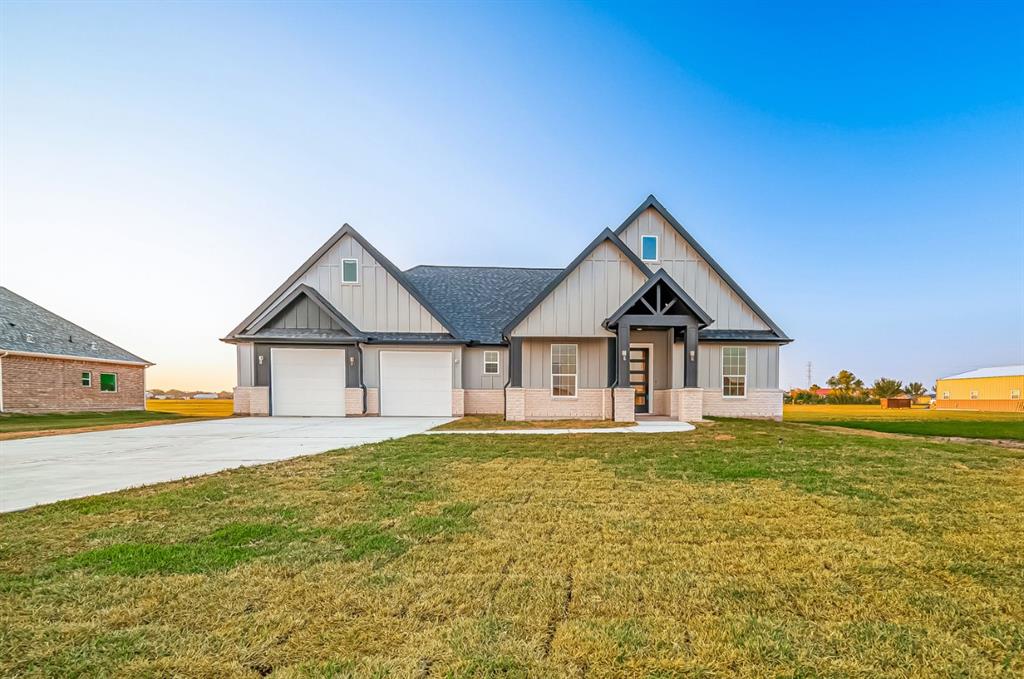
[
  {"x": 606, "y": 234},
  {"x": 652, "y": 202},
  {"x": 69, "y": 357}
]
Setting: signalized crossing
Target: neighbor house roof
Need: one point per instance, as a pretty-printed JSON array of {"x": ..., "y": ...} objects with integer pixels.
[
  {"x": 480, "y": 300},
  {"x": 26, "y": 327},
  {"x": 997, "y": 371}
]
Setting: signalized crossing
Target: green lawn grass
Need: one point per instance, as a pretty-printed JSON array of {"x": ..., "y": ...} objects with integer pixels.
[
  {"x": 14, "y": 422},
  {"x": 920, "y": 421},
  {"x": 743, "y": 548}
]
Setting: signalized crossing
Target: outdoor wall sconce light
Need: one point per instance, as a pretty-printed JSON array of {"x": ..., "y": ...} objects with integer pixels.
[
  {"x": 351, "y": 360},
  {"x": 692, "y": 352},
  {"x": 623, "y": 354},
  {"x": 259, "y": 359}
]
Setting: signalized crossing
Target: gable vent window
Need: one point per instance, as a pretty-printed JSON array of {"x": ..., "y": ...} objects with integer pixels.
[
  {"x": 974, "y": 395},
  {"x": 649, "y": 248},
  {"x": 350, "y": 271},
  {"x": 945, "y": 395},
  {"x": 1015, "y": 394},
  {"x": 490, "y": 363},
  {"x": 29, "y": 338}
]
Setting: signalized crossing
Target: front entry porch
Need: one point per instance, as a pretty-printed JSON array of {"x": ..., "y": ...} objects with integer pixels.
[{"x": 660, "y": 305}]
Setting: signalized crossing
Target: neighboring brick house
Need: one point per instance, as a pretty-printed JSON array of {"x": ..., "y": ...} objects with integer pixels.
[
  {"x": 48, "y": 364},
  {"x": 642, "y": 322}
]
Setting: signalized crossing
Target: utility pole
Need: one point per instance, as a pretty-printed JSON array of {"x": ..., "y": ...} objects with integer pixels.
[{"x": 809, "y": 382}]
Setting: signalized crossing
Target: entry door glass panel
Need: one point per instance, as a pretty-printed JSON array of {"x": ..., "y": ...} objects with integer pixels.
[{"x": 639, "y": 368}]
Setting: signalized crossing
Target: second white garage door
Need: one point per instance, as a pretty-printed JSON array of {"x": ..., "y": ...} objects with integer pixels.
[
  {"x": 308, "y": 382},
  {"x": 416, "y": 383}
]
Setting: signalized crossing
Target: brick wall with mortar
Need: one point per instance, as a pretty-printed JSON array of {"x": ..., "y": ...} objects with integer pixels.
[
  {"x": 590, "y": 404},
  {"x": 252, "y": 401},
  {"x": 624, "y": 411},
  {"x": 759, "y": 403},
  {"x": 36, "y": 384},
  {"x": 484, "y": 401}
]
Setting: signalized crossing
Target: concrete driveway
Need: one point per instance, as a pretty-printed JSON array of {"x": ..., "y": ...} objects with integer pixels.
[{"x": 50, "y": 468}]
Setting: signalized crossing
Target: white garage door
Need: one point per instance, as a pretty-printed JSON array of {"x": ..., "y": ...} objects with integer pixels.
[
  {"x": 308, "y": 382},
  {"x": 416, "y": 383}
]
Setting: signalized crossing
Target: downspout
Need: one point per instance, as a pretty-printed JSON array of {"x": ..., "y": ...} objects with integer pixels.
[
  {"x": 359, "y": 350},
  {"x": 2, "y": 357}
]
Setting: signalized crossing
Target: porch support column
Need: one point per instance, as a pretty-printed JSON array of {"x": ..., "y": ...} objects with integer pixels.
[
  {"x": 690, "y": 357},
  {"x": 515, "y": 362},
  {"x": 622, "y": 360}
]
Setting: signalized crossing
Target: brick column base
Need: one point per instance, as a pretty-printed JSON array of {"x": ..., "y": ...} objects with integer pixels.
[
  {"x": 458, "y": 402},
  {"x": 690, "y": 404},
  {"x": 515, "y": 404},
  {"x": 252, "y": 401},
  {"x": 624, "y": 411}
]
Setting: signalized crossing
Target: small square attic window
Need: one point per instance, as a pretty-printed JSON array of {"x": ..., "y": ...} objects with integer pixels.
[{"x": 350, "y": 271}]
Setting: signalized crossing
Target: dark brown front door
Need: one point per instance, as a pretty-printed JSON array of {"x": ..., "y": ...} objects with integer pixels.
[{"x": 639, "y": 369}]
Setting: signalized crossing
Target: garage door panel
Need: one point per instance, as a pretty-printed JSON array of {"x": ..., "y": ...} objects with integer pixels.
[
  {"x": 308, "y": 382},
  {"x": 416, "y": 383}
]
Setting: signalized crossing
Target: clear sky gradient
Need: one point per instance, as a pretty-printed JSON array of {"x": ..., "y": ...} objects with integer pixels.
[{"x": 858, "y": 169}]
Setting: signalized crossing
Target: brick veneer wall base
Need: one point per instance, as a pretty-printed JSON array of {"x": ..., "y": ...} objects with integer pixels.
[
  {"x": 624, "y": 411},
  {"x": 252, "y": 401},
  {"x": 689, "y": 404},
  {"x": 458, "y": 402},
  {"x": 589, "y": 404},
  {"x": 759, "y": 404},
  {"x": 353, "y": 401},
  {"x": 515, "y": 404},
  {"x": 484, "y": 401},
  {"x": 37, "y": 384}
]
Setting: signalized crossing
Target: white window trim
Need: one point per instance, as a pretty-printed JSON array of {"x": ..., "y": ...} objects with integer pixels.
[
  {"x": 1015, "y": 394},
  {"x": 746, "y": 371},
  {"x": 85, "y": 381},
  {"x": 973, "y": 395},
  {"x": 117, "y": 384},
  {"x": 657, "y": 248},
  {"x": 496, "y": 362},
  {"x": 945, "y": 396},
  {"x": 349, "y": 259},
  {"x": 552, "y": 374}
]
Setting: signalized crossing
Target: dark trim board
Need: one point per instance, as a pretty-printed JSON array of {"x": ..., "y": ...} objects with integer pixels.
[
  {"x": 663, "y": 277},
  {"x": 549, "y": 288},
  {"x": 652, "y": 202},
  {"x": 317, "y": 299}
]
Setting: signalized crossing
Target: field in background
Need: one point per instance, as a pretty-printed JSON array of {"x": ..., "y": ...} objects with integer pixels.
[
  {"x": 920, "y": 421},
  {"x": 741, "y": 549},
  {"x": 192, "y": 407},
  {"x": 17, "y": 425}
]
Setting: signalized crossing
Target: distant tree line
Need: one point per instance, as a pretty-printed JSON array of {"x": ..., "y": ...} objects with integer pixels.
[
  {"x": 178, "y": 393},
  {"x": 846, "y": 388}
]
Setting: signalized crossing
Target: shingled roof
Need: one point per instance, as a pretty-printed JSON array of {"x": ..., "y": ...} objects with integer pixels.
[
  {"x": 480, "y": 300},
  {"x": 26, "y": 327}
]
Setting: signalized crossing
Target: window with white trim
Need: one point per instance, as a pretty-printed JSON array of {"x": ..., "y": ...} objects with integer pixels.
[
  {"x": 563, "y": 370},
  {"x": 974, "y": 395},
  {"x": 1015, "y": 394},
  {"x": 734, "y": 372},
  {"x": 86, "y": 379},
  {"x": 945, "y": 395},
  {"x": 350, "y": 271},
  {"x": 491, "y": 363},
  {"x": 649, "y": 248},
  {"x": 108, "y": 381}
]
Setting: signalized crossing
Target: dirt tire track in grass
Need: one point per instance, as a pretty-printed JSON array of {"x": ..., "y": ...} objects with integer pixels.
[{"x": 560, "y": 616}]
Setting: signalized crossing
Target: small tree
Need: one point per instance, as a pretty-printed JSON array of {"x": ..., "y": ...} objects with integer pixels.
[
  {"x": 914, "y": 390},
  {"x": 886, "y": 388},
  {"x": 846, "y": 382}
]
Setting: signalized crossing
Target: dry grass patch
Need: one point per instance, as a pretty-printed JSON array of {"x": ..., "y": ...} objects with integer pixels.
[
  {"x": 610, "y": 555},
  {"x": 495, "y": 422}
]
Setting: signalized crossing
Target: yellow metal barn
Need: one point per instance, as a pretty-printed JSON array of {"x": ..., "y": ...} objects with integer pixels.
[{"x": 996, "y": 388}]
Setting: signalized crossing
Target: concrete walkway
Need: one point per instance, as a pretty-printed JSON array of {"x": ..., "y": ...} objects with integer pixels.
[
  {"x": 641, "y": 427},
  {"x": 50, "y": 468}
]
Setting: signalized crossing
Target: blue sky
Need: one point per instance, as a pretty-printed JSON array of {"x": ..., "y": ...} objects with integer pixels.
[{"x": 858, "y": 169}]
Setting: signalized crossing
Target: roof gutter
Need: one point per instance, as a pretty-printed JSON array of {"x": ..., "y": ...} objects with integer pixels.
[{"x": 67, "y": 357}]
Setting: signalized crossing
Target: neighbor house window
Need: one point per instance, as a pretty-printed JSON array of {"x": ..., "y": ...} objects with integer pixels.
[
  {"x": 108, "y": 381},
  {"x": 1015, "y": 394},
  {"x": 563, "y": 370},
  {"x": 86, "y": 379},
  {"x": 974, "y": 394},
  {"x": 350, "y": 271},
  {"x": 734, "y": 372},
  {"x": 649, "y": 248},
  {"x": 490, "y": 363},
  {"x": 945, "y": 395}
]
